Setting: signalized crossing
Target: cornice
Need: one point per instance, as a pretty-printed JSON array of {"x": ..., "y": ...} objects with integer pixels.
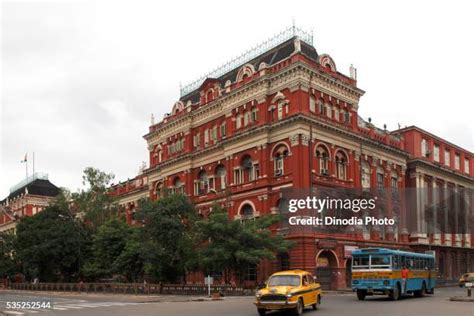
[{"x": 298, "y": 118}]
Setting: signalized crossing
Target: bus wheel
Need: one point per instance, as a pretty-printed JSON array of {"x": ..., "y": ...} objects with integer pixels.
[
  {"x": 395, "y": 293},
  {"x": 361, "y": 295},
  {"x": 420, "y": 293}
]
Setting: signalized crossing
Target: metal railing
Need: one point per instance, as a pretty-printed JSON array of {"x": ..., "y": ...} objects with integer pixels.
[
  {"x": 238, "y": 61},
  {"x": 33, "y": 177},
  {"x": 133, "y": 288}
]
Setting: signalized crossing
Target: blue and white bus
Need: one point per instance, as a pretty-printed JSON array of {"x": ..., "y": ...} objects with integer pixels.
[{"x": 379, "y": 271}]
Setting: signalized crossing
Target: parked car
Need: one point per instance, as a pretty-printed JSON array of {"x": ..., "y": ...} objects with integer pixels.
[
  {"x": 466, "y": 277},
  {"x": 289, "y": 290}
]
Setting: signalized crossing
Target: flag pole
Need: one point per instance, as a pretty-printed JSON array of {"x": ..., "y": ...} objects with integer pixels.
[
  {"x": 26, "y": 163},
  {"x": 33, "y": 163}
]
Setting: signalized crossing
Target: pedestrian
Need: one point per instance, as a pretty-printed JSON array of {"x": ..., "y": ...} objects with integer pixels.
[{"x": 405, "y": 273}]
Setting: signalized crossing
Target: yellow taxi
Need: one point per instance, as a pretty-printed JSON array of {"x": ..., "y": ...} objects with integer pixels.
[
  {"x": 466, "y": 278},
  {"x": 289, "y": 290}
]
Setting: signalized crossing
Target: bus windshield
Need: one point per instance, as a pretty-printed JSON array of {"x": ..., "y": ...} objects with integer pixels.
[
  {"x": 284, "y": 280},
  {"x": 371, "y": 262}
]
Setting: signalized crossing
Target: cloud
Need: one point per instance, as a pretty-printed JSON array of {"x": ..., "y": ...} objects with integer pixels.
[{"x": 80, "y": 79}]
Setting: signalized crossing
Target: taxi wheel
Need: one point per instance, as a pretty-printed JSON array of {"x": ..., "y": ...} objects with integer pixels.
[
  {"x": 318, "y": 302},
  {"x": 261, "y": 311},
  {"x": 361, "y": 295},
  {"x": 299, "y": 307}
]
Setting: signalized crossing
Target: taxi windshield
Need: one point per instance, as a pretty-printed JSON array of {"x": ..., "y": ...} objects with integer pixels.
[{"x": 284, "y": 280}]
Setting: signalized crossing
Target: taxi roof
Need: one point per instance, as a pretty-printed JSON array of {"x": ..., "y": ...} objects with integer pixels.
[{"x": 291, "y": 272}]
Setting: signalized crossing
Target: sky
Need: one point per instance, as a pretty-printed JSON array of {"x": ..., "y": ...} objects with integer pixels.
[{"x": 80, "y": 79}]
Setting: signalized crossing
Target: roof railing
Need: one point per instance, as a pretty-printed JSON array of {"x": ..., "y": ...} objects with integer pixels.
[
  {"x": 28, "y": 180},
  {"x": 238, "y": 61}
]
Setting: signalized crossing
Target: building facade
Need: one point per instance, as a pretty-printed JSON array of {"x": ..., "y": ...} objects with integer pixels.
[
  {"x": 27, "y": 198},
  {"x": 286, "y": 118}
]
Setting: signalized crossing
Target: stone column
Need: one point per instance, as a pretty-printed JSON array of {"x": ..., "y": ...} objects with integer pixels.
[{"x": 436, "y": 231}]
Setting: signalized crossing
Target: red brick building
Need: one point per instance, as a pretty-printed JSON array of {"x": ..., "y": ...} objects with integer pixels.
[
  {"x": 27, "y": 198},
  {"x": 286, "y": 118}
]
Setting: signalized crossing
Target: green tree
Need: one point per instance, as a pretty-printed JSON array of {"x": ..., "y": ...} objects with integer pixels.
[
  {"x": 94, "y": 202},
  {"x": 169, "y": 238},
  {"x": 108, "y": 242},
  {"x": 50, "y": 245},
  {"x": 231, "y": 245},
  {"x": 7, "y": 261},
  {"x": 131, "y": 261}
]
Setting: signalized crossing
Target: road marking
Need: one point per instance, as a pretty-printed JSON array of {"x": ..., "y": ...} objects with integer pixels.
[
  {"x": 13, "y": 313},
  {"x": 68, "y": 306}
]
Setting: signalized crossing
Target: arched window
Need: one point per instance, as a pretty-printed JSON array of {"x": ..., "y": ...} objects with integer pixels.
[
  {"x": 279, "y": 155},
  {"x": 336, "y": 113},
  {"x": 221, "y": 174},
  {"x": 246, "y": 210},
  {"x": 341, "y": 165},
  {"x": 322, "y": 156},
  {"x": 178, "y": 186},
  {"x": 159, "y": 189}
]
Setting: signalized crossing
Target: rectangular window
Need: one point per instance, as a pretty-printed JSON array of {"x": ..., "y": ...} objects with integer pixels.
[
  {"x": 380, "y": 178},
  {"x": 447, "y": 157},
  {"x": 238, "y": 175},
  {"x": 457, "y": 161},
  {"x": 436, "y": 153},
  {"x": 312, "y": 104},
  {"x": 246, "y": 118},
  {"x": 238, "y": 121},
  {"x": 347, "y": 117},
  {"x": 254, "y": 115},
  {"x": 424, "y": 147},
  {"x": 214, "y": 133},
  {"x": 394, "y": 183},
  {"x": 223, "y": 130},
  {"x": 196, "y": 140},
  {"x": 466, "y": 166},
  {"x": 206, "y": 137}
]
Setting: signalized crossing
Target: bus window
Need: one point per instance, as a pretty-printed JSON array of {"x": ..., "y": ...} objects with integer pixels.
[
  {"x": 360, "y": 262},
  {"x": 396, "y": 262},
  {"x": 380, "y": 261}
]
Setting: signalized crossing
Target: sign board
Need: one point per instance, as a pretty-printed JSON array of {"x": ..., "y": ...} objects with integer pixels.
[
  {"x": 208, "y": 280},
  {"x": 323, "y": 262},
  {"x": 468, "y": 284},
  {"x": 348, "y": 251}
]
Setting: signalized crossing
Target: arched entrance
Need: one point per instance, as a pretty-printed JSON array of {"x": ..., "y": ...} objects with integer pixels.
[{"x": 327, "y": 269}]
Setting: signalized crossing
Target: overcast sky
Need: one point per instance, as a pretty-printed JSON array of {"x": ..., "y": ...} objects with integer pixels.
[{"x": 80, "y": 79}]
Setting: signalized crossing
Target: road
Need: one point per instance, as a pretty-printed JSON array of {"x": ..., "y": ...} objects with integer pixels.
[{"x": 333, "y": 304}]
